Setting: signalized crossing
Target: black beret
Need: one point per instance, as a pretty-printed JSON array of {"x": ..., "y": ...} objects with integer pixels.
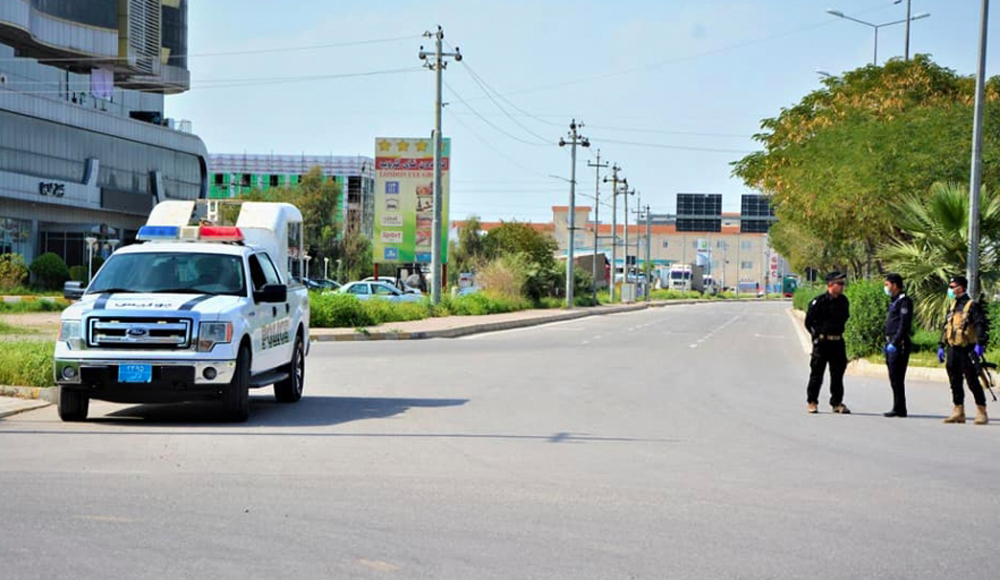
[
  {"x": 960, "y": 281},
  {"x": 835, "y": 276},
  {"x": 894, "y": 278}
]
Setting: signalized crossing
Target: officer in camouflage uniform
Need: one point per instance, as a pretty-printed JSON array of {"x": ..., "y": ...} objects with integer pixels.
[
  {"x": 825, "y": 320},
  {"x": 963, "y": 338}
]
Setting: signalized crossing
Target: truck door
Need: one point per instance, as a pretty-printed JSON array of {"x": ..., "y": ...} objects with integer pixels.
[{"x": 269, "y": 318}]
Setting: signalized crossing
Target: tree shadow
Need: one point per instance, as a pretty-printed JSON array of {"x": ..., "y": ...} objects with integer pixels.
[{"x": 311, "y": 411}]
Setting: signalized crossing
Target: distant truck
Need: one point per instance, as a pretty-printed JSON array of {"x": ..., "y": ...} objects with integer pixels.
[
  {"x": 687, "y": 278},
  {"x": 710, "y": 287}
]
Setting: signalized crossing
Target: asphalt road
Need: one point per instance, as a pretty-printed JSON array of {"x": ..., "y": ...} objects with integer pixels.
[{"x": 669, "y": 443}]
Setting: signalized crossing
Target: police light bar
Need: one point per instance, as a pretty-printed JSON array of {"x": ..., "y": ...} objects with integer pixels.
[
  {"x": 220, "y": 234},
  {"x": 149, "y": 233}
]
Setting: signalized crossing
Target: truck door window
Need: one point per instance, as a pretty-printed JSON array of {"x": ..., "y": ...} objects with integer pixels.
[
  {"x": 270, "y": 272},
  {"x": 257, "y": 274}
]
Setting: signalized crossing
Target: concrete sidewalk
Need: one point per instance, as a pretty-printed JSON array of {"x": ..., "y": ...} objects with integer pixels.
[{"x": 14, "y": 400}]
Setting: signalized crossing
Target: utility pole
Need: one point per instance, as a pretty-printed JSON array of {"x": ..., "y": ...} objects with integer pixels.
[
  {"x": 907, "y": 50},
  {"x": 597, "y": 211},
  {"x": 649, "y": 246},
  {"x": 625, "y": 195},
  {"x": 614, "y": 226},
  {"x": 574, "y": 140},
  {"x": 972, "y": 261},
  {"x": 438, "y": 65}
]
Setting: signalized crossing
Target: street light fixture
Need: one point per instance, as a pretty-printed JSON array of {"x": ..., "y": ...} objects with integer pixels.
[
  {"x": 91, "y": 242},
  {"x": 840, "y": 14}
]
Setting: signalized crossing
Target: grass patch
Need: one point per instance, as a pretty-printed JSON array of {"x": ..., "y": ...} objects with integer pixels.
[
  {"x": 28, "y": 291},
  {"x": 11, "y": 329},
  {"x": 32, "y": 305},
  {"x": 27, "y": 363}
]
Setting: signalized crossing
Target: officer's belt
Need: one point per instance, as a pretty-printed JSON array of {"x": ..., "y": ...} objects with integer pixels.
[{"x": 830, "y": 337}]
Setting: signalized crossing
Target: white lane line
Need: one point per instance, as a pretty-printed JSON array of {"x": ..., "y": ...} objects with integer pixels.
[{"x": 693, "y": 346}]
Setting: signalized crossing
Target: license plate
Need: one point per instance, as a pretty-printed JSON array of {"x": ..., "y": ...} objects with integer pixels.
[{"x": 135, "y": 373}]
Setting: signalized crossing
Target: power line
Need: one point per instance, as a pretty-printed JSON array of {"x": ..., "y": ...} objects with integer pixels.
[
  {"x": 677, "y": 147},
  {"x": 490, "y": 123},
  {"x": 496, "y": 150}
]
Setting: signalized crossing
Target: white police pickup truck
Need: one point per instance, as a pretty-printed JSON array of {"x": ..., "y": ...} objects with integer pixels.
[{"x": 192, "y": 312}]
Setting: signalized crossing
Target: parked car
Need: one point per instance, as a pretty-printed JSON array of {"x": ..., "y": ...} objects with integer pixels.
[
  {"x": 365, "y": 290},
  {"x": 392, "y": 282}
]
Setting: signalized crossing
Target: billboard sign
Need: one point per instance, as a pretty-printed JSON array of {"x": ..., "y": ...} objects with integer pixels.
[{"x": 404, "y": 199}]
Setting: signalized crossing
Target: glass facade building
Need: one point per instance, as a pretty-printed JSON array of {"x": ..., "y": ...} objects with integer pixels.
[{"x": 85, "y": 147}]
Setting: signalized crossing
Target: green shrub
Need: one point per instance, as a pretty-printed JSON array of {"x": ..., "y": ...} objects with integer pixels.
[
  {"x": 27, "y": 306},
  {"x": 804, "y": 294},
  {"x": 50, "y": 271},
  {"x": 506, "y": 275},
  {"x": 78, "y": 273},
  {"x": 12, "y": 271},
  {"x": 865, "y": 331},
  {"x": 27, "y": 363},
  {"x": 334, "y": 310}
]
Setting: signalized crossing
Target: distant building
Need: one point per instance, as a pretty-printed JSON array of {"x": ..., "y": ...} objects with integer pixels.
[
  {"x": 731, "y": 256},
  {"x": 85, "y": 148},
  {"x": 233, "y": 174}
]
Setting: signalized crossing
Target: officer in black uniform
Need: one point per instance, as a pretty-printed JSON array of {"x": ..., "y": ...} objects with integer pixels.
[
  {"x": 898, "y": 326},
  {"x": 825, "y": 320}
]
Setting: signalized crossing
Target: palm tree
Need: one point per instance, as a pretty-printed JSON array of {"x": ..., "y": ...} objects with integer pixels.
[{"x": 934, "y": 245}]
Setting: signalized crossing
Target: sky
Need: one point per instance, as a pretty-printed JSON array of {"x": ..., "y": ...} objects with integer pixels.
[{"x": 671, "y": 91}]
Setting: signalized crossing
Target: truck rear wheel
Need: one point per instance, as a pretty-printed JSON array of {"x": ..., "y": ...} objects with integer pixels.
[
  {"x": 236, "y": 397},
  {"x": 290, "y": 389},
  {"x": 73, "y": 404}
]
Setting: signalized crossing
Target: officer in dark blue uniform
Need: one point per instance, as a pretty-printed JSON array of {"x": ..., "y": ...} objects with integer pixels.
[
  {"x": 898, "y": 327},
  {"x": 825, "y": 320}
]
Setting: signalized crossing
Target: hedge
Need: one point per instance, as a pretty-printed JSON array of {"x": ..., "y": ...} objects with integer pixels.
[{"x": 27, "y": 363}]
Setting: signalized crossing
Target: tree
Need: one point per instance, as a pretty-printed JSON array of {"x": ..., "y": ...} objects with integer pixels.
[
  {"x": 542, "y": 273},
  {"x": 355, "y": 254},
  {"x": 316, "y": 196},
  {"x": 935, "y": 246},
  {"x": 467, "y": 255},
  {"x": 835, "y": 163}
]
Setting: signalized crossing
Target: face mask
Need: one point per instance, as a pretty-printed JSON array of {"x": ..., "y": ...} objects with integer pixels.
[
  {"x": 951, "y": 294},
  {"x": 887, "y": 293}
]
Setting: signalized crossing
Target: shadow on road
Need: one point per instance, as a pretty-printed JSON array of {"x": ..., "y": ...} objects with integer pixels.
[{"x": 266, "y": 412}]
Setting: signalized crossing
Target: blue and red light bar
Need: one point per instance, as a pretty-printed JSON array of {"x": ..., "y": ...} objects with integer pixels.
[{"x": 204, "y": 234}]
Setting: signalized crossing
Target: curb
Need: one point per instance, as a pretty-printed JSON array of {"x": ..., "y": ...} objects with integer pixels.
[
  {"x": 461, "y": 331},
  {"x": 863, "y": 368},
  {"x": 31, "y": 398}
]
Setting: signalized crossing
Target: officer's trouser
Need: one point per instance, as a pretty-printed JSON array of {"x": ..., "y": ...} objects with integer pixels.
[
  {"x": 897, "y": 363},
  {"x": 959, "y": 365},
  {"x": 833, "y": 352}
]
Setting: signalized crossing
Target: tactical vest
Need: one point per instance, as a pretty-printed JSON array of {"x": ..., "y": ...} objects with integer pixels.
[{"x": 959, "y": 330}]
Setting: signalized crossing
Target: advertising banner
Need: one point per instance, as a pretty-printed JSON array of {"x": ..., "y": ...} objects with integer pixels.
[{"x": 404, "y": 199}]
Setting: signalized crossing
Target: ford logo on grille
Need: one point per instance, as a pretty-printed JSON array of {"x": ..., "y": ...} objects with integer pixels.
[{"x": 137, "y": 332}]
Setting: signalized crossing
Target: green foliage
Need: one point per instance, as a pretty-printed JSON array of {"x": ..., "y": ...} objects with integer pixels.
[
  {"x": 506, "y": 275},
  {"x": 335, "y": 310},
  {"x": 542, "y": 273},
  {"x": 31, "y": 305},
  {"x": 78, "y": 273},
  {"x": 934, "y": 246},
  {"x": 27, "y": 363},
  {"x": 671, "y": 294},
  {"x": 355, "y": 254},
  {"x": 865, "y": 330},
  {"x": 835, "y": 162},
  {"x": 12, "y": 271},
  {"x": 804, "y": 294},
  {"x": 482, "y": 303},
  {"x": 469, "y": 253},
  {"x": 50, "y": 271}
]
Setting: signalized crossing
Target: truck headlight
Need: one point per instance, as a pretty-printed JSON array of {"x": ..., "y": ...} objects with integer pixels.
[
  {"x": 212, "y": 333},
  {"x": 69, "y": 330}
]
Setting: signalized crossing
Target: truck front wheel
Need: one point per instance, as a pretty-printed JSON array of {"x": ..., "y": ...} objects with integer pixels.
[
  {"x": 290, "y": 389},
  {"x": 73, "y": 404},
  {"x": 236, "y": 396}
]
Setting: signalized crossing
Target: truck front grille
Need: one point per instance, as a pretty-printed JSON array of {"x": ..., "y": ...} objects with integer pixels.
[{"x": 139, "y": 333}]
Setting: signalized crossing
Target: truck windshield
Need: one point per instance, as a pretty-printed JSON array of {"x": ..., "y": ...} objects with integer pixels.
[
  {"x": 678, "y": 275},
  {"x": 171, "y": 272}
]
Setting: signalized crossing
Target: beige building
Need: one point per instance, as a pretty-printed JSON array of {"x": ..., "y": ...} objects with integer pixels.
[{"x": 730, "y": 256}]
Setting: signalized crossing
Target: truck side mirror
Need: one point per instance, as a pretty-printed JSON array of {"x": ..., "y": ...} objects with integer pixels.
[
  {"x": 272, "y": 293},
  {"x": 72, "y": 290}
]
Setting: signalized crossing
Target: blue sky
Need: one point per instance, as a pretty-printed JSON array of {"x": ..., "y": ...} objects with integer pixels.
[{"x": 670, "y": 90}]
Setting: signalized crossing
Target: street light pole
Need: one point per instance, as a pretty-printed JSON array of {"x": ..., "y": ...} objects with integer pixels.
[
  {"x": 907, "y": 20},
  {"x": 614, "y": 228},
  {"x": 972, "y": 261},
  {"x": 575, "y": 139}
]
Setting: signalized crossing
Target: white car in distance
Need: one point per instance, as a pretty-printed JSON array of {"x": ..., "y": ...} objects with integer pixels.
[{"x": 367, "y": 290}]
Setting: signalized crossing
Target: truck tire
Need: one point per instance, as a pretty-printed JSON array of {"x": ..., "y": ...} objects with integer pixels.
[
  {"x": 73, "y": 404},
  {"x": 290, "y": 389},
  {"x": 236, "y": 397}
]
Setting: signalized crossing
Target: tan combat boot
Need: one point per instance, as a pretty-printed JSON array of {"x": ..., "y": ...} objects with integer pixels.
[
  {"x": 981, "y": 418},
  {"x": 957, "y": 415}
]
